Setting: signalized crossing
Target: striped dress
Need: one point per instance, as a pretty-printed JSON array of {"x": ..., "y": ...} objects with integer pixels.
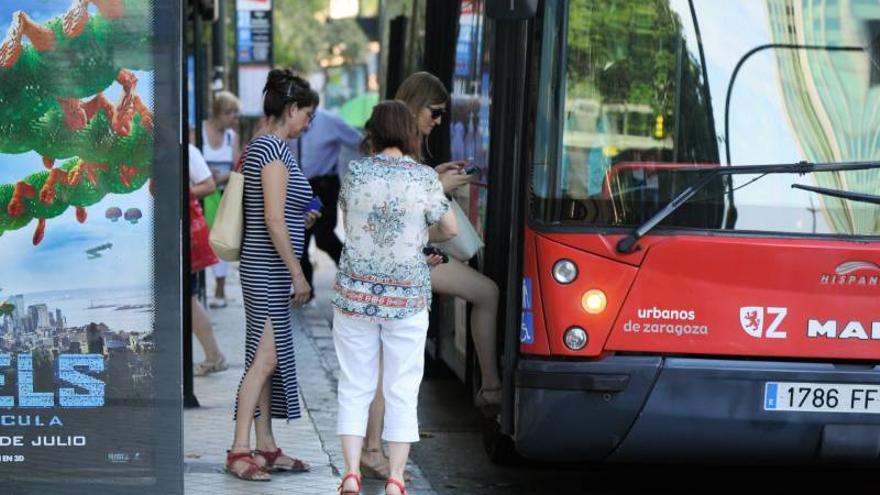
[{"x": 265, "y": 280}]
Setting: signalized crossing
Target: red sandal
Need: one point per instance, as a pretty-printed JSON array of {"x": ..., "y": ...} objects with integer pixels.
[
  {"x": 397, "y": 483},
  {"x": 357, "y": 479},
  {"x": 251, "y": 472},
  {"x": 298, "y": 466}
]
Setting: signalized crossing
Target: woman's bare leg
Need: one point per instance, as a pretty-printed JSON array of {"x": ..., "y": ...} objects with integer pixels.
[
  {"x": 457, "y": 279},
  {"x": 398, "y": 451},
  {"x": 263, "y": 424},
  {"x": 249, "y": 395},
  {"x": 351, "y": 454},
  {"x": 201, "y": 325},
  {"x": 220, "y": 288},
  {"x": 373, "y": 459}
]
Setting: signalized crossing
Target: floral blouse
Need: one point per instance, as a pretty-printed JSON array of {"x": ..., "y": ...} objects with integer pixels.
[{"x": 388, "y": 205}]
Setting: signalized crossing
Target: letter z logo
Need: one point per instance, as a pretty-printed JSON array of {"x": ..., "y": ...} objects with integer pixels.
[{"x": 751, "y": 319}]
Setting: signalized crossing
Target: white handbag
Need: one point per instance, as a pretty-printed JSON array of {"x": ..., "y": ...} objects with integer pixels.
[
  {"x": 464, "y": 245},
  {"x": 228, "y": 228}
]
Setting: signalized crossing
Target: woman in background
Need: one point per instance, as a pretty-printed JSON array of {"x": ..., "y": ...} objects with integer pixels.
[
  {"x": 427, "y": 98},
  {"x": 201, "y": 184},
  {"x": 220, "y": 148}
]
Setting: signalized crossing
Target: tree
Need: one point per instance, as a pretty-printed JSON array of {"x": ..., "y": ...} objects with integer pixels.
[
  {"x": 7, "y": 309},
  {"x": 303, "y": 36},
  {"x": 624, "y": 51},
  {"x": 298, "y": 34}
]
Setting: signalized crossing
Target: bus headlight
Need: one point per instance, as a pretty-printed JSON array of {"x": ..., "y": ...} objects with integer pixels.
[
  {"x": 594, "y": 301},
  {"x": 565, "y": 271},
  {"x": 575, "y": 338}
]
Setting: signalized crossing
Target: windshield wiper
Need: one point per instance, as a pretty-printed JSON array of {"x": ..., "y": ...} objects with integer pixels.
[
  {"x": 864, "y": 198},
  {"x": 628, "y": 244}
]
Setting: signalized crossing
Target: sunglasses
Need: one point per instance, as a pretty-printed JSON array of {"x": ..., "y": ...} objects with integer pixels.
[{"x": 436, "y": 113}]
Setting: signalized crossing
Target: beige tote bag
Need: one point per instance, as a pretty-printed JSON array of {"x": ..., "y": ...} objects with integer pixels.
[
  {"x": 228, "y": 226},
  {"x": 464, "y": 245}
]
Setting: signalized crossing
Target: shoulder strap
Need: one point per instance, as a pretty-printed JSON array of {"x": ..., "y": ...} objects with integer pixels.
[{"x": 239, "y": 163}]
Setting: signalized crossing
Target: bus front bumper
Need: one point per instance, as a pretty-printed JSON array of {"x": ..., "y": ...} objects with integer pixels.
[{"x": 654, "y": 409}]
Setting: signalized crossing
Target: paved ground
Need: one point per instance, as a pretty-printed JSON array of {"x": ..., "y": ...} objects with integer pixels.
[
  {"x": 208, "y": 429},
  {"x": 449, "y": 460}
]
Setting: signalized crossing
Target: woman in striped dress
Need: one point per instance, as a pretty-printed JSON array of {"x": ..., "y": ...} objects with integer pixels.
[{"x": 276, "y": 194}]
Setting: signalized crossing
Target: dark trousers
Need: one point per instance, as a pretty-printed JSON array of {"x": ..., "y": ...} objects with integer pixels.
[{"x": 325, "y": 187}]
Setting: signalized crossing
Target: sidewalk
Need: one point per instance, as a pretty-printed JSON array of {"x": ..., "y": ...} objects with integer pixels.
[{"x": 208, "y": 429}]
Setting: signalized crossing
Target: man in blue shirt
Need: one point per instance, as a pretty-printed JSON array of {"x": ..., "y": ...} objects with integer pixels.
[{"x": 317, "y": 153}]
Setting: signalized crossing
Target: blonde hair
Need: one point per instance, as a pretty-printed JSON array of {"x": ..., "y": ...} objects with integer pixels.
[
  {"x": 223, "y": 101},
  {"x": 421, "y": 90}
]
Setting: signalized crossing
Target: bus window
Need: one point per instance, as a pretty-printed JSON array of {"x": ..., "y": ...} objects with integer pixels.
[{"x": 635, "y": 85}]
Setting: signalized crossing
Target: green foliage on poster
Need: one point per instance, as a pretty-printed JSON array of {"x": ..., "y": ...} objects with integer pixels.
[{"x": 107, "y": 147}]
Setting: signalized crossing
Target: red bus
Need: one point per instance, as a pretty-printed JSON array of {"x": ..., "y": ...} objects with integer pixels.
[{"x": 678, "y": 199}]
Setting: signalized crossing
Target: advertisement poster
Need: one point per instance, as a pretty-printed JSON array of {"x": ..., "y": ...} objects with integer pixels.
[
  {"x": 253, "y": 5},
  {"x": 253, "y": 41},
  {"x": 78, "y": 386},
  {"x": 254, "y": 37}
]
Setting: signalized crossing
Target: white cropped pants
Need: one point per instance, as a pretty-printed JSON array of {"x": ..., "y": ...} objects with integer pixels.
[
  {"x": 358, "y": 343},
  {"x": 220, "y": 269}
]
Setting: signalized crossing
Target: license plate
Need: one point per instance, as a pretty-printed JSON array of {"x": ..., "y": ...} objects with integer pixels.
[{"x": 822, "y": 397}]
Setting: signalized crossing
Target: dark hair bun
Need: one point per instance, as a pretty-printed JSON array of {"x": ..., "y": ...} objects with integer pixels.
[{"x": 283, "y": 88}]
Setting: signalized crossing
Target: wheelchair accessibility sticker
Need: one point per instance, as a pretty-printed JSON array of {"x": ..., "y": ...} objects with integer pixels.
[{"x": 527, "y": 324}]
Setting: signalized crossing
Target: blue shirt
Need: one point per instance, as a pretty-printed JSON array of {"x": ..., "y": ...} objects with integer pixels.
[
  {"x": 322, "y": 143},
  {"x": 388, "y": 205}
]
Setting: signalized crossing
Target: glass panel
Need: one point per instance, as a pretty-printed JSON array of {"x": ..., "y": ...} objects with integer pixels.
[
  {"x": 89, "y": 391},
  {"x": 653, "y": 94},
  {"x": 469, "y": 133}
]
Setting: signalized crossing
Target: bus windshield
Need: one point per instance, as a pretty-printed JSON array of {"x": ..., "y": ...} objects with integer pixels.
[{"x": 639, "y": 100}]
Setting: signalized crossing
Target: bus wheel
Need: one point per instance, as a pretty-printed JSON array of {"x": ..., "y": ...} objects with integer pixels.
[{"x": 499, "y": 447}]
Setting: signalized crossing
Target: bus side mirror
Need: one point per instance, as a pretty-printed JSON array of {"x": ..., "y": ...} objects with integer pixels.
[{"x": 511, "y": 9}]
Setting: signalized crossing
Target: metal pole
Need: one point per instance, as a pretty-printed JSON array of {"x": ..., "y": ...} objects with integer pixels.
[
  {"x": 218, "y": 47},
  {"x": 189, "y": 398},
  {"x": 199, "y": 63}
]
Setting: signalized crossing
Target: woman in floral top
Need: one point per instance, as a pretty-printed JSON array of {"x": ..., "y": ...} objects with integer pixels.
[{"x": 392, "y": 207}]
